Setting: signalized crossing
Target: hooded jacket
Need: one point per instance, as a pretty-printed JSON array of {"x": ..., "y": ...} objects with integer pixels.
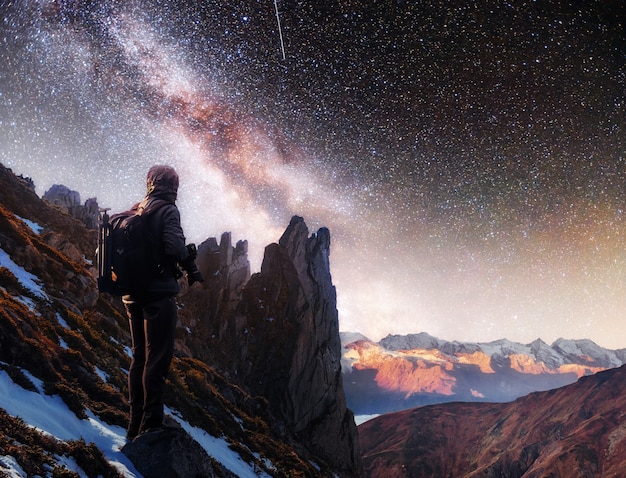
[{"x": 166, "y": 231}]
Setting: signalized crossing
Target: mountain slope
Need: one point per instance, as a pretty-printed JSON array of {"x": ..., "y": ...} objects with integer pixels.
[
  {"x": 576, "y": 430},
  {"x": 401, "y": 372},
  {"x": 64, "y": 355}
]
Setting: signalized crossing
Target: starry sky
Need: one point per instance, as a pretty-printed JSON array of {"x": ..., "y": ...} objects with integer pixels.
[{"x": 467, "y": 157}]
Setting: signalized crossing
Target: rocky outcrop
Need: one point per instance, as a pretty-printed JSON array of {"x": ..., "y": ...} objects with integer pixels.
[
  {"x": 290, "y": 351},
  {"x": 229, "y": 270},
  {"x": 68, "y": 201},
  {"x": 168, "y": 453},
  {"x": 208, "y": 311},
  {"x": 172, "y": 453},
  {"x": 89, "y": 213},
  {"x": 62, "y": 198},
  {"x": 276, "y": 335}
]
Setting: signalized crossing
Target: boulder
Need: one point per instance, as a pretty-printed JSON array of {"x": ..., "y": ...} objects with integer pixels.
[{"x": 169, "y": 453}]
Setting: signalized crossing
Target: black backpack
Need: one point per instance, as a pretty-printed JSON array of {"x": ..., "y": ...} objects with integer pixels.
[{"x": 127, "y": 259}]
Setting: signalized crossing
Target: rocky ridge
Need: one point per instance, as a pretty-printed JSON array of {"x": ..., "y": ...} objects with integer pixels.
[{"x": 281, "y": 339}]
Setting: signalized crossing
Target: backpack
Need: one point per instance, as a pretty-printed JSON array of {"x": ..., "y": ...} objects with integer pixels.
[{"x": 127, "y": 260}]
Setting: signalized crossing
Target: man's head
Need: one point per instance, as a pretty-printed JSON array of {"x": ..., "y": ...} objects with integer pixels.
[{"x": 162, "y": 180}]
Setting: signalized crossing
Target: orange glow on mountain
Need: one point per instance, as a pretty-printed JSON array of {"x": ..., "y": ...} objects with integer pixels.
[
  {"x": 404, "y": 371},
  {"x": 477, "y": 358},
  {"x": 433, "y": 371},
  {"x": 580, "y": 370},
  {"x": 526, "y": 364},
  {"x": 420, "y": 377}
]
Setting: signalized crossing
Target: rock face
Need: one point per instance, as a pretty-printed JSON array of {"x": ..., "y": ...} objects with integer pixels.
[
  {"x": 276, "y": 335},
  {"x": 290, "y": 351},
  {"x": 208, "y": 310},
  {"x": 62, "y": 197},
  {"x": 229, "y": 269},
  {"x": 68, "y": 201}
]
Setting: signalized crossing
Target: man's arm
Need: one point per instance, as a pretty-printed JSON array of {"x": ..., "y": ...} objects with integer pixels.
[{"x": 174, "y": 244}]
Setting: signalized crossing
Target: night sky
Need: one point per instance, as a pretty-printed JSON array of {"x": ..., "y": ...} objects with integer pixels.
[{"x": 469, "y": 159}]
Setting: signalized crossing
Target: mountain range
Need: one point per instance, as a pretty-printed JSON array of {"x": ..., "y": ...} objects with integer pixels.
[{"x": 407, "y": 371}]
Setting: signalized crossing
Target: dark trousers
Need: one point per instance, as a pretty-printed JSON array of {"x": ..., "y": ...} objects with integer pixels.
[{"x": 152, "y": 328}]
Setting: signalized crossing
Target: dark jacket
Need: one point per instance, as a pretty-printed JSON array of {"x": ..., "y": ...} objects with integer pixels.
[{"x": 168, "y": 243}]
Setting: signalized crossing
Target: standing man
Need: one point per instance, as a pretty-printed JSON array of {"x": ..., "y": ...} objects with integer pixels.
[{"x": 153, "y": 312}]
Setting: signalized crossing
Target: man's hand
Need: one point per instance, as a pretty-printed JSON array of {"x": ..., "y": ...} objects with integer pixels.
[
  {"x": 192, "y": 251},
  {"x": 195, "y": 276}
]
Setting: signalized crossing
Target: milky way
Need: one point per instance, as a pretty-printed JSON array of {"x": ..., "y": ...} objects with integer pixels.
[{"x": 468, "y": 159}]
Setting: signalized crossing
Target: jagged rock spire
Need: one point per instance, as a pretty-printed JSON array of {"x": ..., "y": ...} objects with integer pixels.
[
  {"x": 291, "y": 346},
  {"x": 277, "y": 335}
]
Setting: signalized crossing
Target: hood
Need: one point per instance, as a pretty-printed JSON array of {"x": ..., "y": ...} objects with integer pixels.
[{"x": 162, "y": 182}]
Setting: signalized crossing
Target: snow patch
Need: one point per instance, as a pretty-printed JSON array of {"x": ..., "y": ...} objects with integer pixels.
[
  {"x": 10, "y": 468},
  {"x": 360, "y": 419},
  {"x": 62, "y": 321},
  {"x": 103, "y": 375},
  {"x": 71, "y": 465},
  {"x": 218, "y": 448},
  {"x": 28, "y": 280},
  {"x": 36, "y": 228}
]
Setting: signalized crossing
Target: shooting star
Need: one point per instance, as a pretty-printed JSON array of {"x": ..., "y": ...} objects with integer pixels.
[{"x": 280, "y": 32}]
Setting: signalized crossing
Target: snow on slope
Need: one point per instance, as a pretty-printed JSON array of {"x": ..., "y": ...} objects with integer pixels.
[
  {"x": 49, "y": 414},
  {"x": 25, "y": 278}
]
